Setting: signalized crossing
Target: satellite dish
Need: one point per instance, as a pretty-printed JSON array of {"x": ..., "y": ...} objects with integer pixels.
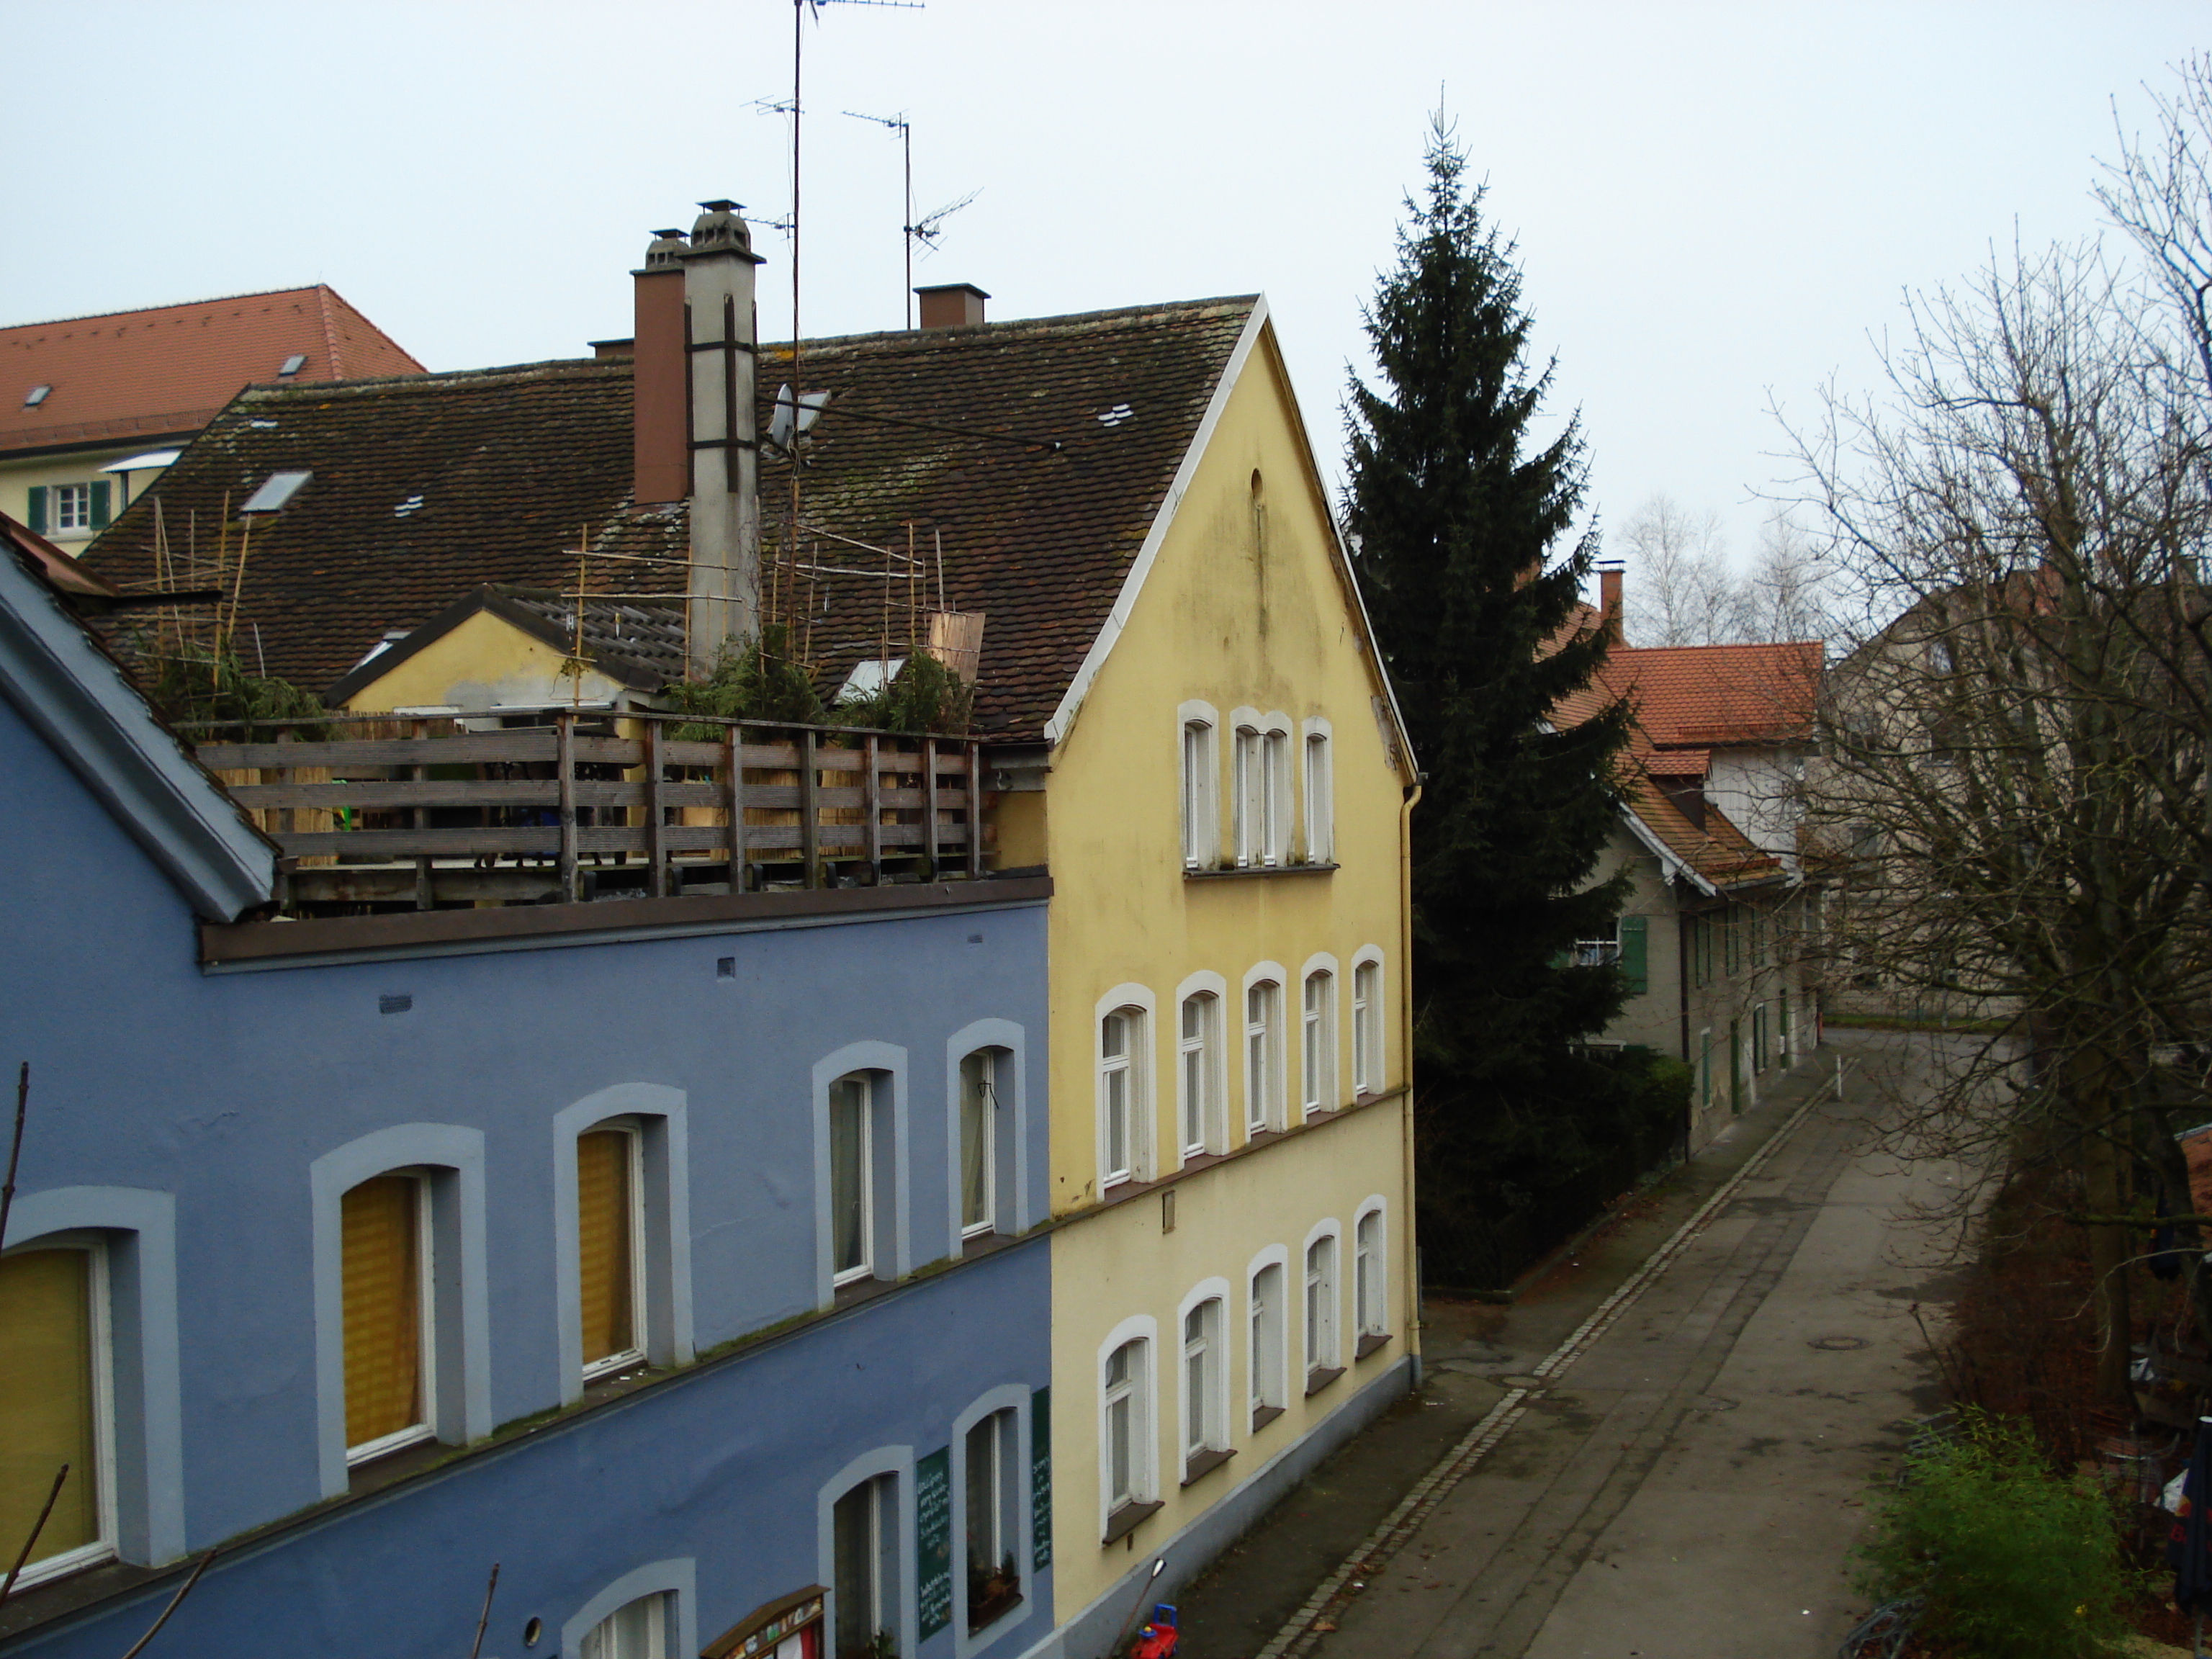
[{"x": 793, "y": 416}]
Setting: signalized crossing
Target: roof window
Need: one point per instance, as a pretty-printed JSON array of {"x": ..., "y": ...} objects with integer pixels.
[
  {"x": 279, "y": 488},
  {"x": 293, "y": 365},
  {"x": 869, "y": 675},
  {"x": 36, "y": 396}
]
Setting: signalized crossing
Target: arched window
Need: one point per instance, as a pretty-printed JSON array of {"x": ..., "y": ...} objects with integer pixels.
[
  {"x": 54, "y": 1406},
  {"x": 1201, "y": 833},
  {"x": 1320, "y": 794},
  {"x": 1263, "y": 1057},
  {"x": 1203, "y": 1370},
  {"x": 1121, "y": 1046},
  {"x": 610, "y": 1246},
  {"x": 1318, "y": 1042},
  {"x": 1198, "y": 1073},
  {"x": 637, "y": 1630},
  {"x": 391, "y": 1355}
]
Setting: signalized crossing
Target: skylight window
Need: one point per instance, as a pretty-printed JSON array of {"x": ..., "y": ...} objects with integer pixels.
[
  {"x": 293, "y": 365},
  {"x": 412, "y": 504},
  {"x": 1115, "y": 415},
  {"x": 869, "y": 675},
  {"x": 280, "y": 489},
  {"x": 36, "y": 396}
]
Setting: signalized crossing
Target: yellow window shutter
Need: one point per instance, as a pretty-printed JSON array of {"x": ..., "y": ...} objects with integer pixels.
[
  {"x": 603, "y": 1241},
  {"x": 381, "y": 1229},
  {"x": 47, "y": 1399}
]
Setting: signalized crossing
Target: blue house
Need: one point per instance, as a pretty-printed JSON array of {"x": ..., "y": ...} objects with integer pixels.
[{"x": 680, "y": 1256}]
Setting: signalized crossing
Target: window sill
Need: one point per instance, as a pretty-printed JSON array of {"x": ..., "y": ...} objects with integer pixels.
[
  {"x": 1206, "y": 1463},
  {"x": 1242, "y": 872},
  {"x": 1264, "y": 1416},
  {"x": 1369, "y": 1343},
  {"x": 1126, "y": 1519},
  {"x": 979, "y": 1619},
  {"x": 1320, "y": 1378}
]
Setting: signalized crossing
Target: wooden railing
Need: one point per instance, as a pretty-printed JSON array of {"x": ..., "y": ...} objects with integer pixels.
[{"x": 422, "y": 810}]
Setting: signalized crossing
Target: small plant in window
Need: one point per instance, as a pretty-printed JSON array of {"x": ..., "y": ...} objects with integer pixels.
[{"x": 882, "y": 1645}]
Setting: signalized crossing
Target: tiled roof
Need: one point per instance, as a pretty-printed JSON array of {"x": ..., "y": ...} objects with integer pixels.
[
  {"x": 1067, "y": 433},
  {"x": 1711, "y": 695},
  {"x": 423, "y": 488},
  {"x": 166, "y": 371},
  {"x": 1687, "y": 697}
]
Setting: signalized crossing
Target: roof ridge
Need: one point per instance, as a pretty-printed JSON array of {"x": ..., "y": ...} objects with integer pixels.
[
  {"x": 175, "y": 305},
  {"x": 1011, "y": 325},
  {"x": 581, "y": 368}
]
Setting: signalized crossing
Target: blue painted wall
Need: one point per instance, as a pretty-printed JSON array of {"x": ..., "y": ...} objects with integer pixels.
[{"x": 223, "y": 1088}]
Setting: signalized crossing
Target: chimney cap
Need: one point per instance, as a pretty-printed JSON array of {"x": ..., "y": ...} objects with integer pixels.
[
  {"x": 953, "y": 287},
  {"x": 721, "y": 229},
  {"x": 667, "y": 247}
]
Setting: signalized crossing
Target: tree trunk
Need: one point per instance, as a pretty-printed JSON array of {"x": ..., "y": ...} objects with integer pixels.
[{"x": 2105, "y": 1177}]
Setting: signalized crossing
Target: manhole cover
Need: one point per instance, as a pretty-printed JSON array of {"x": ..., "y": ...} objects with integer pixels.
[{"x": 1837, "y": 1344}]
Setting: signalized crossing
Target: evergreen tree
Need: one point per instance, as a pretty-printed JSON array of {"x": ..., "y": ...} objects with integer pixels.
[{"x": 1463, "y": 527}]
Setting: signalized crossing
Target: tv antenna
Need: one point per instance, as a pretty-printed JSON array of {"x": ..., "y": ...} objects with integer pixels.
[
  {"x": 925, "y": 230},
  {"x": 799, "y": 10}
]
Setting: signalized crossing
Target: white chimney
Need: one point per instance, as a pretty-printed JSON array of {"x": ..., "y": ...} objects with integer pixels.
[{"x": 719, "y": 331}]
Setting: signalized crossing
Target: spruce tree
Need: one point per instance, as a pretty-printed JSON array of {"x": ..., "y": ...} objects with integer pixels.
[{"x": 1465, "y": 531}]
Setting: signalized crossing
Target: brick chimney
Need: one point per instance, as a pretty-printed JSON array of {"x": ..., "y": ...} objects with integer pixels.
[
  {"x": 660, "y": 451},
  {"x": 724, "y": 457},
  {"x": 951, "y": 304},
  {"x": 1608, "y": 596}
]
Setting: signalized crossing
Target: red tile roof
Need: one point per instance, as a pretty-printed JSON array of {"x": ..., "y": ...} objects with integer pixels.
[
  {"x": 1688, "y": 700},
  {"x": 166, "y": 371},
  {"x": 1713, "y": 695}
]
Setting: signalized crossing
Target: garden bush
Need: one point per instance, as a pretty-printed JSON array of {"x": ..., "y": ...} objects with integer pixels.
[{"x": 2008, "y": 1557}]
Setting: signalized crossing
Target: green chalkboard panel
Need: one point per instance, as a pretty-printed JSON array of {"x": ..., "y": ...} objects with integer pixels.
[
  {"x": 932, "y": 1540},
  {"x": 1039, "y": 1479}
]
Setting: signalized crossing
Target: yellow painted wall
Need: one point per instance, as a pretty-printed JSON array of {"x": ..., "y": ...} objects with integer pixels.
[
  {"x": 483, "y": 662},
  {"x": 1242, "y": 608},
  {"x": 1119, "y": 1262},
  {"x": 18, "y": 475}
]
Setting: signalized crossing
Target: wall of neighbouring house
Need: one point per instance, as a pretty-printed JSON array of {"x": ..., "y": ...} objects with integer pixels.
[
  {"x": 18, "y": 475},
  {"x": 1652, "y": 1017},
  {"x": 482, "y": 662},
  {"x": 1242, "y": 607},
  {"x": 163, "y": 1089},
  {"x": 1758, "y": 790}
]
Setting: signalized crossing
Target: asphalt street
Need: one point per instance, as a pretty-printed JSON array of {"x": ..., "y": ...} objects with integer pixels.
[{"x": 1690, "y": 1486}]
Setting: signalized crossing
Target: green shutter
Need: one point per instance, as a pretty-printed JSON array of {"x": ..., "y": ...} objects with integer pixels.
[
  {"x": 99, "y": 504},
  {"x": 38, "y": 509},
  {"x": 1632, "y": 960},
  {"x": 1729, "y": 946}
]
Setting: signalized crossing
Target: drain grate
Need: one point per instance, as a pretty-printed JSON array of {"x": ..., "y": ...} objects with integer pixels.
[{"x": 1837, "y": 1344}]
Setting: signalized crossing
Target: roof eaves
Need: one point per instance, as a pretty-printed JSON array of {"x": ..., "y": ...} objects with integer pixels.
[
  {"x": 1670, "y": 861},
  {"x": 1102, "y": 645},
  {"x": 79, "y": 700}
]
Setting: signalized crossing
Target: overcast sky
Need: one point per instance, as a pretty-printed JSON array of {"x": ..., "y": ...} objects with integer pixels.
[{"x": 1713, "y": 203}]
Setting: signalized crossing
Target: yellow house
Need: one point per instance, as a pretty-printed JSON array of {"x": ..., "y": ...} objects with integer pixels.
[
  {"x": 1186, "y": 724},
  {"x": 1224, "y": 788}
]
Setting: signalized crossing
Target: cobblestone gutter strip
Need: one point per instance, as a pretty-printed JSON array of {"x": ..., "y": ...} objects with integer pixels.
[{"x": 1317, "y": 1618}]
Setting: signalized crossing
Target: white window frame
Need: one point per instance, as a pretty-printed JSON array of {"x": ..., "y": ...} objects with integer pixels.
[
  {"x": 633, "y": 1132},
  {"x": 1370, "y": 1269},
  {"x": 426, "y": 1294},
  {"x": 1140, "y": 1390},
  {"x": 866, "y": 1268},
  {"x": 1321, "y": 1290},
  {"x": 1199, "y": 729},
  {"x": 1319, "y": 1077},
  {"x": 1134, "y": 1003},
  {"x": 886, "y": 1492},
  {"x": 1368, "y": 1029},
  {"x": 664, "y": 1328},
  {"x": 1264, "y": 1049},
  {"x": 1275, "y": 792},
  {"x": 595, "y": 1642},
  {"x": 675, "y": 1582},
  {"x": 1317, "y": 757},
  {"x": 1205, "y": 1406},
  {"x": 68, "y": 513},
  {"x": 991, "y": 1058},
  {"x": 1249, "y": 798},
  {"x": 1266, "y": 1336},
  {"x": 100, "y": 1334},
  {"x": 1201, "y": 1124}
]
